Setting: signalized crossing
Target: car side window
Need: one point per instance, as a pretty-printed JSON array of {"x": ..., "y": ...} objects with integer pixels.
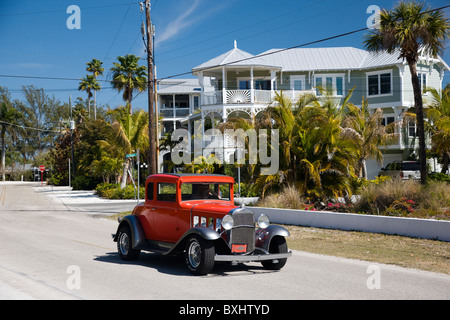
[
  {"x": 150, "y": 191},
  {"x": 166, "y": 192}
]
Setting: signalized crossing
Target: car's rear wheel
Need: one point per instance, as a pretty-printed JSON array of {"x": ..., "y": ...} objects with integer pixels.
[
  {"x": 199, "y": 255},
  {"x": 277, "y": 245},
  {"x": 124, "y": 244}
]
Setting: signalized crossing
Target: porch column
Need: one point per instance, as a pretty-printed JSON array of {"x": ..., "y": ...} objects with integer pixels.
[
  {"x": 273, "y": 76},
  {"x": 224, "y": 86},
  {"x": 252, "y": 89},
  {"x": 202, "y": 87}
]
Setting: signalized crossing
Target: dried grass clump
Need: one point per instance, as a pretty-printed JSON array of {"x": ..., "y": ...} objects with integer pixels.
[{"x": 288, "y": 198}]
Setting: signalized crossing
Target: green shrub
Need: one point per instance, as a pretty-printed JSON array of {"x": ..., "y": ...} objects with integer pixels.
[
  {"x": 437, "y": 176},
  {"x": 113, "y": 191},
  {"x": 83, "y": 182}
]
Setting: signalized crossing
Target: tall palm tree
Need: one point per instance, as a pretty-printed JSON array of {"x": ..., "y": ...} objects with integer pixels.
[
  {"x": 409, "y": 28},
  {"x": 129, "y": 76},
  {"x": 95, "y": 66},
  {"x": 130, "y": 134},
  {"x": 89, "y": 84}
]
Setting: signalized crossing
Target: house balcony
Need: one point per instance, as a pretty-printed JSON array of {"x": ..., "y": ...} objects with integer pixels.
[{"x": 248, "y": 96}]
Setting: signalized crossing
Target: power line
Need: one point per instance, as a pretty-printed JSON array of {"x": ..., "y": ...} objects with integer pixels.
[
  {"x": 293, "y": 47},
  {"x": 31, "y": 128}
]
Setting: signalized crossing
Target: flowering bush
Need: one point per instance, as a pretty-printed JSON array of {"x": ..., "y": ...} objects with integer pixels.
[
  {"x": 338, "y": 207},
  {"x": 305, "y": 206},
  {"x": 401, "y": 207}
]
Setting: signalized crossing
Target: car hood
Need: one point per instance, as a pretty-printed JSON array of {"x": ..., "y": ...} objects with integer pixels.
[{"x": 212, "y": 206}]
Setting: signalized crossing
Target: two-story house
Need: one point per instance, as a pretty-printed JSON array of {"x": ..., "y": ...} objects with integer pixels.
[{"x": 239, "y": 84}]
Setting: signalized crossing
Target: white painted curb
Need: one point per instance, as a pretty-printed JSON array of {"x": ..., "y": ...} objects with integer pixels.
[{"x": 410, "y": 227}]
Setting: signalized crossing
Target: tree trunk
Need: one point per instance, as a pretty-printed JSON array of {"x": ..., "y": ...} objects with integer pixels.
[
  {"x": 125, "y": 174},
  {"x": 418, "y": 103}
]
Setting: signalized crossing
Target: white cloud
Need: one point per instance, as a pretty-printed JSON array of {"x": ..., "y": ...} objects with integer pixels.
[{"x": 180, "y": 23}]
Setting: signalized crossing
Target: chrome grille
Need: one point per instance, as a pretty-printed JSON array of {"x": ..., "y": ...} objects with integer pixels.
[{"x": 243, "y": 231}]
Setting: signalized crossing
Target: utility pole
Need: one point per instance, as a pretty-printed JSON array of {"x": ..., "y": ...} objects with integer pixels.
[{"x": 150, "y": 90}]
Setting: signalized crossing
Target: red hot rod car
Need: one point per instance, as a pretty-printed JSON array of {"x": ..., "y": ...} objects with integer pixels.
[{"x": 195, "y": 214}]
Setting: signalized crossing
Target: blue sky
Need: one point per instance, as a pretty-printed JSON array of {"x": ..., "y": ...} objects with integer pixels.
[{"x": 35, "y": 39}]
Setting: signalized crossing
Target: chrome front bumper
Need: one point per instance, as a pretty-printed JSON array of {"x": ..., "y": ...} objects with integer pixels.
[{"x": 250, "y": 257}]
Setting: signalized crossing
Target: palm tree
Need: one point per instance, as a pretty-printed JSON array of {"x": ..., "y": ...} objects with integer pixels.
[
  {"x": 314, "y": 156},
  {"x": 438, "y": 114},
  {"x": 366, "y": 134},
  {"x": 89, "y": 84},
  {"x": 409, "y": 28},
  {"x": 95, "y": 66},
  {"x": 130, "y": 134},
  {"x": 129, "y": 76}
]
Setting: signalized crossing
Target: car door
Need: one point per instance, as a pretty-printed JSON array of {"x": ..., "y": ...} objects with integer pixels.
[{"x": 165, "y": 212}]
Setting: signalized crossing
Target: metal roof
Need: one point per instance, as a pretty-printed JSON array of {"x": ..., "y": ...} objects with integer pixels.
[
  {"x": 308, "y": 59},
  {"x": 238, "y": 58},
  {"x": 182, "y": 86}
]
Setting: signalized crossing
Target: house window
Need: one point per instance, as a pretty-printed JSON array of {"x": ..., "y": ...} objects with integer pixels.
[
  {"x": 196, "y": 102},
  {"x": 387, "y": 120},
  {"x": 297, "y": 82},
  {"x": 422, "y": 81},
  {"x": 412, "y": 131},
  {"x": 379, "y": 83},
  {"x": 334, "y": 84},
  {"x": 318, "y": 86},
  {"x": 259, "y": 84}
]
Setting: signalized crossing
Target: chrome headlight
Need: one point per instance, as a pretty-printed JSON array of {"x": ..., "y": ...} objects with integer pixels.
[
  {"x": 227, "y": 222},
  {"x": 263, "y": 221}
]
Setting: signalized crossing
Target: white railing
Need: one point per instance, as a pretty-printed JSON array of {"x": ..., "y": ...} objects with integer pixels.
[{"x": 249, "y": 96}]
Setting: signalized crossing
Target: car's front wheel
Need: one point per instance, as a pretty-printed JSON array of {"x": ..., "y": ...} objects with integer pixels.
[
  {"x": 124, "y": 244},
  {"x": 277, "y": 245},
  {"x": 199, "y": 255}
]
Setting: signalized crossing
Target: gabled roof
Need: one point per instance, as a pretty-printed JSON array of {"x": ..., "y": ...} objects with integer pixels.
[{"x": 235, "y": 57}]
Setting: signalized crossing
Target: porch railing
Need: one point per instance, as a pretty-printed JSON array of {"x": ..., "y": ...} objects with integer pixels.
[{"x": 248, "y": 96}]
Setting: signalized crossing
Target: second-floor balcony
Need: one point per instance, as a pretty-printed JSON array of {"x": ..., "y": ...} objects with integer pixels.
[{"x": 248, "y": 96}]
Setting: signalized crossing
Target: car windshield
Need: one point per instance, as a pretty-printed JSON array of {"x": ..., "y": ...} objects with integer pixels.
[{"x": 204, "y": 190}]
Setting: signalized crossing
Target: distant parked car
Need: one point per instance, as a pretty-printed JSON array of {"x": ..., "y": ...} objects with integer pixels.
[{"x": 402, "y": 169}]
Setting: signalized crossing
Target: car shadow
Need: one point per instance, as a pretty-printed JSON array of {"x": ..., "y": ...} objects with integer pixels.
[{"x": 175, "y": 265}]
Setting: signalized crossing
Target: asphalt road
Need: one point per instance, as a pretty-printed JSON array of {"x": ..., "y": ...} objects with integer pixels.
[{"x": 54, "y": 246}]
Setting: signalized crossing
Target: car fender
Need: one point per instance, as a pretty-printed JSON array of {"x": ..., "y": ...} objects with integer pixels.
[
  {"x": 137, "y": 232},
  {"x": 265, "y": 236},
  {"x": 205, "y": 233}
]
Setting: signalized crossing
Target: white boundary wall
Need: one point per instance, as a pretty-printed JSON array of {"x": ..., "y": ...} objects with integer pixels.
[{"x": 411, "y": 227}]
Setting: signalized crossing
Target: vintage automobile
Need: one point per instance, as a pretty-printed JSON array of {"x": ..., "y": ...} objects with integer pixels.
[{"x": 195, "y": 214}]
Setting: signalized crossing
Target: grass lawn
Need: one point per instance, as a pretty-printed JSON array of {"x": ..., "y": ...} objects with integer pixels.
[{"x": 430, "y": 255}]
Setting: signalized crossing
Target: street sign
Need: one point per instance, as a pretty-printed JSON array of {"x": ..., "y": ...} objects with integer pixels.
[
  {"x": 42, "y": 169},
  {"x": 131, "y": 155}
]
